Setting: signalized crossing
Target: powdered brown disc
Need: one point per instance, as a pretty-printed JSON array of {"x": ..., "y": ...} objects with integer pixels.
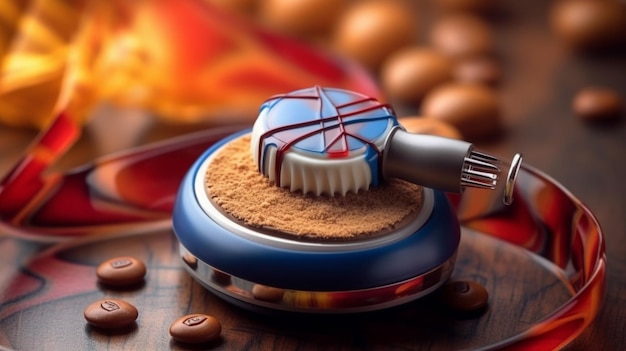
[{"x": 235, "y": 185}]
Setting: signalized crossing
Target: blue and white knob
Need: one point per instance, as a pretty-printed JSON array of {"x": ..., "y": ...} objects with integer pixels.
[
  {"x": 322, "y": 140},
  {"x": 332, "y": 141}
]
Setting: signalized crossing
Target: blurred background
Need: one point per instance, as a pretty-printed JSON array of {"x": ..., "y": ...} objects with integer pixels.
[
  {"x": 478, "y": 66},
  {"x": 545, "y": 78}
]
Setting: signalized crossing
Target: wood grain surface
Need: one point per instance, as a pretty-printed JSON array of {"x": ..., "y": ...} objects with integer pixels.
[{"x": 540, "y": 80}]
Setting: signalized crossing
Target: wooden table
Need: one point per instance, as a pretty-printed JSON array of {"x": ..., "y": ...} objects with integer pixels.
[{"x": 541, "y": 78}]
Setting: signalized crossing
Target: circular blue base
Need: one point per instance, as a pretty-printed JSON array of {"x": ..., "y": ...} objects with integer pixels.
[{"x": 335, "y": 269}]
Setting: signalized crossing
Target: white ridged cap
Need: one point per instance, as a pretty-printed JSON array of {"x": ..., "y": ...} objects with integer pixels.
[{"x": 309, "y": 116}]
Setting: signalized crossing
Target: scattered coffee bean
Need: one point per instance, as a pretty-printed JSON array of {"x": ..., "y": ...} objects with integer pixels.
[
  {"x": 371, "y": 30},
  {"x": 596, "y": 103},
  {"x": 111, "y": 314},
  {"x": 430, "y": 126},
  {"x": 267, "y": 293},
  {"x": 195, "y": 329},
  {"x": 590, "y": 24},
  {"x": 474, "y": 109},
  {"x": 464, "y": 296},
  {"x": 461, "y": 35},
  {"x": 307, "y": 19},
  {"x": 480, "y": 6},
  {"x": 121, "y": 271},
  {"x": 477, "y": 69},
  {"x": 410, "y": 73}
]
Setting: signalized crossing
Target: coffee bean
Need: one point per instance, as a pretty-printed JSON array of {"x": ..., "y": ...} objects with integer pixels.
[
  {"x": 121, "y": 271},
  {"x": 480, "y": 6},
  {"x": 463, "y": 296},
  {"x": 461, "y": 35},
  {"x": 307, "y": 19},
  {"x": 478, "y": 70},
  {"x": 369, "y": 31},
  {"x": 597, "y": 103},
  {"x": 267, "y": 293},
  {"x": 590, "y": 24},
  {"x": 110, "y": 314},
  {"x": 430, "y": 126},
  {"x": 474, "y": 109},
  {"x": 195, "y": 329},
  {"x": 410, "y": 73}
]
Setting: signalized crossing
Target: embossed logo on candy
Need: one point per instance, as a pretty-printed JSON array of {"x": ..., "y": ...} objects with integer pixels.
[
  {"x": 194, "y": 320},
  {"x": 321, "y": 140},
  {"x": 109, "y": 306}
]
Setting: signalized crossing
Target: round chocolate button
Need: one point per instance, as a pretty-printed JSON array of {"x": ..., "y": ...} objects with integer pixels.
[
  {"x": 121, "y": 271},
  {"x": 464, "y": 296},
  {"x": 111, "y": 314},
  {"x": 195, "y": 329}
]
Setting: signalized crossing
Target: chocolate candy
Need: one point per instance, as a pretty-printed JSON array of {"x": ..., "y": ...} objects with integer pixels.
[
  {"x": 308, "y": 19},
  {"x": 371, "y": 30},
  {"x": 410, "y": 73},
  {"x": 461, "y": 35},
  {"x": 472, "y": 108},
  {"x": 481, "y": 6},
  {"x": 195, "y": 329},
  {"x": 111, "y": 314},
  {"x": 590, "y": 24},
  {"x": 121, "y": 271},
  {"x": 477, "y": 69},
  {"x": 430, "y": 126},
  {"x": 464, "y": 296},
  {"x": 597, "y": 103}
]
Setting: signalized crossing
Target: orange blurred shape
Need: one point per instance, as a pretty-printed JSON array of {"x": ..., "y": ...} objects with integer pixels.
[
  {"x": 35, "y": 36},
  {"x": 184, "y": 60}
]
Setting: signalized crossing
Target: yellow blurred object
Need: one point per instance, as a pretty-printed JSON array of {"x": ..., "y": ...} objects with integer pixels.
[
  {"x": 34, "y": 46},
  {"x": 183, "y": 60}
]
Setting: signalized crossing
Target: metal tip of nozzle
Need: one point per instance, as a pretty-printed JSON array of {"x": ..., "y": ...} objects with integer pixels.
[{"x": 481, "y": 171}]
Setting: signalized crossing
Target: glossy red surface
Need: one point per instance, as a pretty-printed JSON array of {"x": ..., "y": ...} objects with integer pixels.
[{"x": 545, "y": 218}]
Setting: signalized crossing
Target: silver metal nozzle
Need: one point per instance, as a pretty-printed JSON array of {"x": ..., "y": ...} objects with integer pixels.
[{"x": 445, "y": 164}]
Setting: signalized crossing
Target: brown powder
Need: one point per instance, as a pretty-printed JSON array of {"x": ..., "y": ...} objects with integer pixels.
[{"x": 235, "y": 185}]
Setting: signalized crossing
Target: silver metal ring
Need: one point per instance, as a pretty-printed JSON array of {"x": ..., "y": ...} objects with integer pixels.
[
  {"x": 245, "y": 293},
  {"x": 509, "y": 186}
]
